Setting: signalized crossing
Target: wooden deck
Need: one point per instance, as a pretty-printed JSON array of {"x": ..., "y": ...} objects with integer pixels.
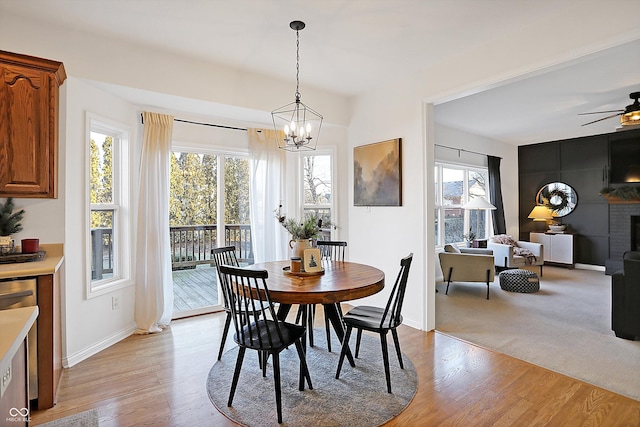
[{"x": 195, "y": 288}]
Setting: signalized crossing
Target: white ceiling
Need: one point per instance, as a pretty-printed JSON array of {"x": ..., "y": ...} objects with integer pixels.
[{"x": 352, "y": 46}]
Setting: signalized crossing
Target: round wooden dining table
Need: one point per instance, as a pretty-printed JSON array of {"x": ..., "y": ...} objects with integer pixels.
[{"x": 340, "y": 281}]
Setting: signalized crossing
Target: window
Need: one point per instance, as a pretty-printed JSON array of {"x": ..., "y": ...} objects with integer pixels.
[
  {"x": 109, "y": 239},
  {"x": 455, "y": 186},
  {"x": 317, "y": 188}
]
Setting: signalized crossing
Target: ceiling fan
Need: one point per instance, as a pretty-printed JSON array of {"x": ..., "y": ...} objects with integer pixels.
[{"x": 628, "y": 117}]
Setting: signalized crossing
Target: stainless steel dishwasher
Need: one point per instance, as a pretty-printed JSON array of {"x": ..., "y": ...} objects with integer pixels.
[{"x": 16, "y": 293}]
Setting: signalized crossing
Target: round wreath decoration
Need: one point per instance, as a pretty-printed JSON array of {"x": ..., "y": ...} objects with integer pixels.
[{"x": 556, "y": 200}]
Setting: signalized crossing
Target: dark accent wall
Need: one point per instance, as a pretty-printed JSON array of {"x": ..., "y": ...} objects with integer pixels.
[{"x": 583, "y": 163}]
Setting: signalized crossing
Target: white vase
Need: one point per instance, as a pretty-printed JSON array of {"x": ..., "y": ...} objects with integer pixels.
[{"x": 298, "y": 247}]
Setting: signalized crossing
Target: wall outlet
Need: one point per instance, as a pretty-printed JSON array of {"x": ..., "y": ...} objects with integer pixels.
[
  {"x": 5, "y": 381},
  {"x": 115, "y": 303}
]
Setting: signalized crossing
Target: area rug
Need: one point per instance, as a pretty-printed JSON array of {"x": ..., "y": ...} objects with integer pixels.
[
  {"x": 82, "y": 419},
  {"x": 565, "y": 327},
  {"x": 358, "y": 398}
]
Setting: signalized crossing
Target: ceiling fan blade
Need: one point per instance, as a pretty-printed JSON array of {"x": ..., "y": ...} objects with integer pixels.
[
  {"x": 604, "y": 118},
  {"x": 601, "y": 112}
]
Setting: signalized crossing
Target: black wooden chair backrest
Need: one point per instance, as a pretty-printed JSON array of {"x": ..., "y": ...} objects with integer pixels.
[
  {"x": 332, "y": 250},
  {"x": 248, "y": 294},
  {"x": 392, "y": 312},
  {"x": 224, "y": 256}
]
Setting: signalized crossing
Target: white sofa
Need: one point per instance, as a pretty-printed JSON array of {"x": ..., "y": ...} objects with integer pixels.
[{"x": 505, "y": 255}]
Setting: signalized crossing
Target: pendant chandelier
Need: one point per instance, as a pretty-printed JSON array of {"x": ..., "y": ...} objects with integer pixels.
[{"x": 300, "y": 123}]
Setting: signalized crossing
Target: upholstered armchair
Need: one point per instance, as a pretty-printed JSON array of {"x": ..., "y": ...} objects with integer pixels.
[
  {"x": 467, "y": 265},
  {"x": 510, "y": 253},
  {"x": 625, "y": 298}
]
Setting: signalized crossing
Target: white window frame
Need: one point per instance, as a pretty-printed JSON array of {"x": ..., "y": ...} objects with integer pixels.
[
  {"x": 440, "y": 207},
  {"x": 121, "y": 206},
  {"x": 325, "y": 151}
]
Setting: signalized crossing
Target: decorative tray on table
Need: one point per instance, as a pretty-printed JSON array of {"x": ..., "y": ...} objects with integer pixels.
[
  {"x": 287, "y": 271},
  {"x": 20, "y": 257}
]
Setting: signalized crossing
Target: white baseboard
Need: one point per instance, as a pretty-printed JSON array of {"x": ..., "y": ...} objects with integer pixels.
[
  {"x": 590, "y": 267},
  {"x": 78, "y": 357}
]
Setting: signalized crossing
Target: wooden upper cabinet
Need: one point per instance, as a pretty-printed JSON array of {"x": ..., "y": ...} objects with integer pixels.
[{"x": 29, "y": 90}]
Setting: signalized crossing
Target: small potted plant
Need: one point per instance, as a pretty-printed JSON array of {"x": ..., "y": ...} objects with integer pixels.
[
  {"x": 469, "y": 238},
  {"x": 301, "y": 231},
  {"x": 9, "y": 225}
]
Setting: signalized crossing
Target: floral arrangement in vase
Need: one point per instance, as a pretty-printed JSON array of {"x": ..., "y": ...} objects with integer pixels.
[{"x": 309, "y": 228}]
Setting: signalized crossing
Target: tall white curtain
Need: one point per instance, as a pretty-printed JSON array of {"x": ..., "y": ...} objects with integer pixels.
[
  {"x": 154, "y": 284},
  {"x": 266, "y": 192}
]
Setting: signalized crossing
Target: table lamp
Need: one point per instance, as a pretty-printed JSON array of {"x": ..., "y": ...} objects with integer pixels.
[
  {"x": 478, "y": 203},
  {"x": 540, "y": 214}
]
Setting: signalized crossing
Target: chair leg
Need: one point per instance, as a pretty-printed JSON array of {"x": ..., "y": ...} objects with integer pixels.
[
  {"x": 311, "y": 314},
  {"x": 343, "y": 352},
  {"x": 236, "y": 374},
  {"x": 448, "y": 281},
  {"x": 328, "y": 332},
  {"x": 299, "y": 313},
  {"x": 394, "y": 333},
  {"x": 385, "y": 358},
  {"x": 488, "y": 275},
  {"x": 358, "y": 339},
  {"x": 263, "y": 364},
  {"x": 276, "y": 382},
  {"x": 227, "y": 323}
]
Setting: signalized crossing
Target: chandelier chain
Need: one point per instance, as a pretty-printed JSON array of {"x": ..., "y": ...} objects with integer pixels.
[{"x": 297, "y": 65}]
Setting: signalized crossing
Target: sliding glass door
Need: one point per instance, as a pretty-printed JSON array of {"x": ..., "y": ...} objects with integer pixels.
[{"x": 209, "y": 207}]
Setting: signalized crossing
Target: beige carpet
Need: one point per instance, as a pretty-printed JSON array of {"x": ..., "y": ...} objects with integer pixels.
[{"x": 566, "y": 327}]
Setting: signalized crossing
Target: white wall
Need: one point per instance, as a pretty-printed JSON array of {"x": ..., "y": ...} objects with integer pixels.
[
  {"x": 381, "y": 236},
  {"x": 89, "y": 324}
]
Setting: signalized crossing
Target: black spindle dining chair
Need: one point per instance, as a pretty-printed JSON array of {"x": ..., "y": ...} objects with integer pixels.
[
  {"x": 248, "y": 296},
  {"x": 376, "y": 319},
  {"x": 225, "y": 256}
]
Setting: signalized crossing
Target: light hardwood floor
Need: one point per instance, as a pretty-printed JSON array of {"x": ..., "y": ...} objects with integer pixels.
[{"x": 159, "y": 380}]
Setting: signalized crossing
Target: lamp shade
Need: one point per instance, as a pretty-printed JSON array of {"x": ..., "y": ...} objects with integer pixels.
[
  {"x": 478, "y": 203},
  {"x": 540, "y": 213}
]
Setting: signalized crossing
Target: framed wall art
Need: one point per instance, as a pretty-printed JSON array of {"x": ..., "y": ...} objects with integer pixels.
[{"x": 377, "y": 174}]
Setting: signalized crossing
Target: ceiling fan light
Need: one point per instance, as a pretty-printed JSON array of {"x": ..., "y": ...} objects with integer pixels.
[{"x": 630, "y": 119}]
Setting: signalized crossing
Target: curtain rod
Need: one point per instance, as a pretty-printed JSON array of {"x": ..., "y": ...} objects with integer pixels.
[
  {"x": 200, "y": 123},
  {"x": 462, "y": 149}
]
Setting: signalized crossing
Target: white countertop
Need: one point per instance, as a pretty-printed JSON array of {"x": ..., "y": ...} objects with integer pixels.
[
  {"x": 14, "y": 326},
  {"x": 50, "y": 264}
]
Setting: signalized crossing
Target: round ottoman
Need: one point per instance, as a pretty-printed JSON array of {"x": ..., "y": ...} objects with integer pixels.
[{"x": 519, "y": 281}]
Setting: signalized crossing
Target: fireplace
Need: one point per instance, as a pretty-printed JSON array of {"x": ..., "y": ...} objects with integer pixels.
[
  {"x": 624, "y": 233},
  {"x": 635, "y": 233}
]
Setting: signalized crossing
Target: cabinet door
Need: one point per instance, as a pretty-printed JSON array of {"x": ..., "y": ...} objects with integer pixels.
[
  {"x": 24, "y": 129},
  {"x": 545, "y": 240},
  {"x": 562, "y": 248},
  {"x": 29, "y": 125}
]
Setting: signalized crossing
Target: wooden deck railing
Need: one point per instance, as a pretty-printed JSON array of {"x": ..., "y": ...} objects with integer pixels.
[{"x": 190, "y": 246}]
